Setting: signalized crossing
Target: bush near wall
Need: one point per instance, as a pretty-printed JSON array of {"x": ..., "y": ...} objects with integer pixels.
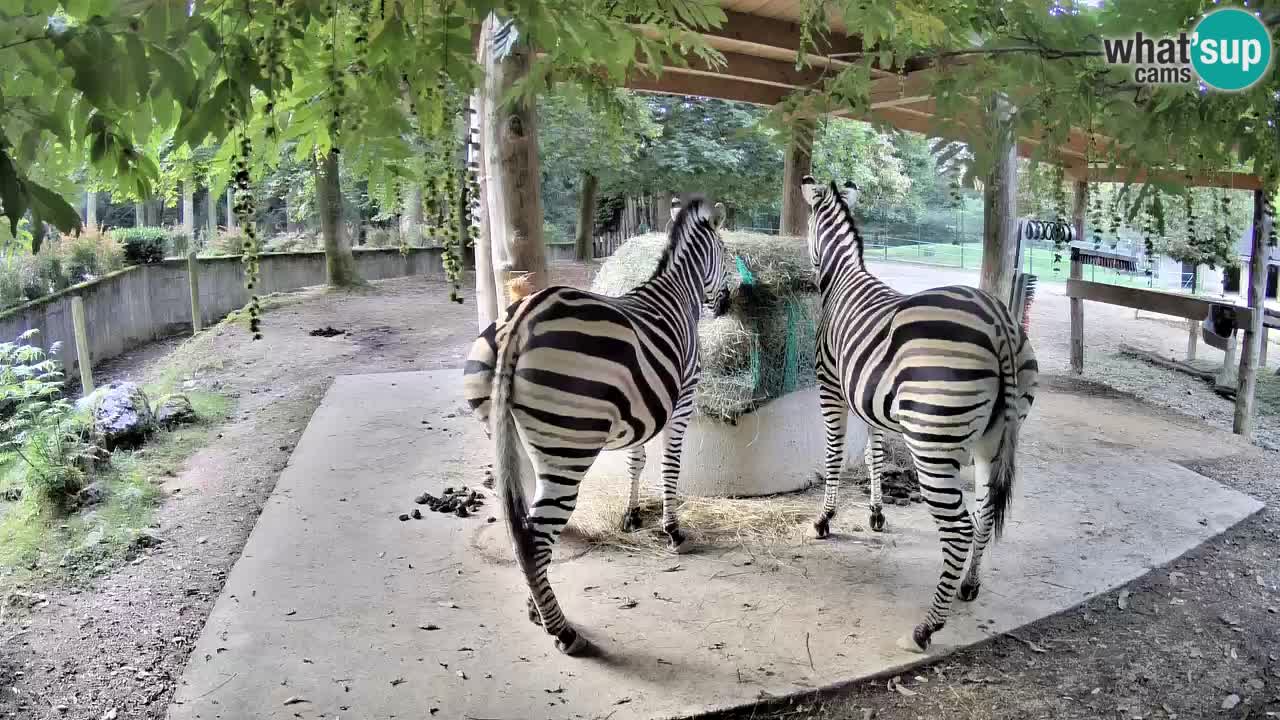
[
  {"x": 142, "y": 245},
  {"x": 63, "y": 261}
]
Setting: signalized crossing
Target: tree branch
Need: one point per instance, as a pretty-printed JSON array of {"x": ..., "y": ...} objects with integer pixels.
[{"x": 24, "y": 41}]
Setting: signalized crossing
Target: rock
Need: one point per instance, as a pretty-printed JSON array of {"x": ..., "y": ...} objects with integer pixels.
[
  {"x": 92, "y": 494},
  {"x": 174, "y": 410},
  {"x": 145, "y": 539},
  {"x": 121, "y": 414},
  {"x": 1230, "y": 701}
]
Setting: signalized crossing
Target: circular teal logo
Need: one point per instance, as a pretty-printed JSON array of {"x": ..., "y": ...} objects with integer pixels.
[{"x": 1231, "y": 49}]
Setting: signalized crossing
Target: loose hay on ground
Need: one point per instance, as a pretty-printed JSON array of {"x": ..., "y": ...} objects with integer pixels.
[{"x": 724, "y": 521}]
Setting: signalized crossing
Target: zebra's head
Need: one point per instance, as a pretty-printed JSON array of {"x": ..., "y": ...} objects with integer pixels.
[
  {"x": 831, "y": 215},
  {"x": 695, "y": 235}
]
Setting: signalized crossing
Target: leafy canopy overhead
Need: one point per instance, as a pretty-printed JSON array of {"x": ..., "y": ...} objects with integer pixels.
[{"x": 113, "y": 80}]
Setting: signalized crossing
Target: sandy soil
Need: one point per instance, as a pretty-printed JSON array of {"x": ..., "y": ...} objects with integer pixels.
[{"x": 1190, "y": 636}]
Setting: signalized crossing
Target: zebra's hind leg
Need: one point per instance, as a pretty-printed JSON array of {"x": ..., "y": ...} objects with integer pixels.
[
  {"x": 940, "y": 483},
  {"x": 983, "y": 511},
  {"x": 557, "y": 496},
  {"x": 671, "y": 453},
  {"x": 874, "y": 457},
  {"x": 635, "y": 465},
  {"x": 835, "y": 419}
]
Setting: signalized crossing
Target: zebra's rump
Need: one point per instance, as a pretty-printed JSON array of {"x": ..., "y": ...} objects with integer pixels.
[
  {"x": 929, "y": 365},
  {"x": 586, "y": 372}
]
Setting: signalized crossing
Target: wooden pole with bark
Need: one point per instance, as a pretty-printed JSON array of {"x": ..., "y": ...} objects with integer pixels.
[
  {"x": 586, "y": 215},
  {"x": 340, "y": 264},
  {"x": 510, "y": 144},
  {"x": 797, "y": 163},
  {"x": 1242, "y": 423},
  {"x": 1000, "y": 204},
  {"x": 1078, "y": 209}
]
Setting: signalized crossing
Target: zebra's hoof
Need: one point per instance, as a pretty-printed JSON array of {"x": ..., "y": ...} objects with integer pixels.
[
  {"x": 877, "y": 520},
  {"x": 535, "y": 617},
  {"x": 631, "y": 520},
  {"x": 571, "y": 643},
  {"x": 969, "y": 591},
  {"x": 679, "y": 542},
  {"x": 918, "y": 640},
  {"x": 822, "y": 527}
]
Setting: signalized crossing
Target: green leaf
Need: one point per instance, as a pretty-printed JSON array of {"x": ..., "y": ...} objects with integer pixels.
[
  {"x": 13, "y": 193},
  {"x": 139, "y": 69},
  {"x": 51, "y": 208}
]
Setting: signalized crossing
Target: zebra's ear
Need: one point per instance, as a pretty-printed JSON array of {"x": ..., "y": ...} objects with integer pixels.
[
  {"x": 809, "y": 189},
  {"x": 675, "y": 208},
  {"x": 850, "y": 193},
  {"x": 718, "y": 217}
]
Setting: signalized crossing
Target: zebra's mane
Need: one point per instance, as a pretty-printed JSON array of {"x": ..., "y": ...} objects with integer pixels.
[
  {"x": 691, "y": 213},
  {"x": 838, "y": 198}
]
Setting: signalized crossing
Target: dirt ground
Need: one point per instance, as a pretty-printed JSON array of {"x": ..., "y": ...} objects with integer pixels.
[{"x": 1188, "y": 638}]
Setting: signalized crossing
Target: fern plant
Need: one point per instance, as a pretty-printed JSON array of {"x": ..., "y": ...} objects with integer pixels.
[{"x": 40, "y": 425}]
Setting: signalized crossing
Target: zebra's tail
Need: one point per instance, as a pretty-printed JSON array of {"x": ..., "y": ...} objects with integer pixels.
[
  {"x": 507, "y": 461},
  {"x": 1004, "y": 464}
]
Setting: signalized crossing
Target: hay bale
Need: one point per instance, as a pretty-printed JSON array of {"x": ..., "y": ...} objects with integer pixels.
[{"x": 764, "y": 348}]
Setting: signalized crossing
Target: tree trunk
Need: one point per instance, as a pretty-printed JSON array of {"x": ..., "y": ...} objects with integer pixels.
[
  {"x": 139, "y": 214},
  {"x": 211, "y": 216},
  {"x": 231, "y": 207},
  {"x": 1248, "y": 379},
  {"x": 797, "y": 164},
  {"x": 189, "y": 208},
  {"x": 511, "y": 164},
  {"x": 339, "y": 262},
  {"x": 486, "y": 292},
  {"x": 90, "y": 208},
  {"x": 586, "y": 215},
  {"x": 411, "y": 214},
  {"x": 999, "y": 205}
]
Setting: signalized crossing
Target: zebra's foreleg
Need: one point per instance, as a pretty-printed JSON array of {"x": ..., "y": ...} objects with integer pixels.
[
  {"x": 635, "y": 466},
  {"x": 671, "y": 472},
  {"x": 874, "y": 457},
  {"x": 557, "y": 495},
  {"x": 940, "y": 483},
  {"x": 835, "y": 419}
]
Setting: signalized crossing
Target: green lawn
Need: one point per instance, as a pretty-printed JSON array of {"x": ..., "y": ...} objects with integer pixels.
[{"x": 1037, "y": 261}]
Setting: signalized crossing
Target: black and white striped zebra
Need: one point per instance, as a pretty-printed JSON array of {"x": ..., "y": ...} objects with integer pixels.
[
  {"x": 949, "y": 368},
  {"x": 574, "y": 373}
]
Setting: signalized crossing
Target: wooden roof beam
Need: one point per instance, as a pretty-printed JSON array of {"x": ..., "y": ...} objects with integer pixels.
[{"x": 778, "y": 40}]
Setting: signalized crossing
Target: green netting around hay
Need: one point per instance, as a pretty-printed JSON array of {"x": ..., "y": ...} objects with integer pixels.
[{"x": 764, "y": 348}]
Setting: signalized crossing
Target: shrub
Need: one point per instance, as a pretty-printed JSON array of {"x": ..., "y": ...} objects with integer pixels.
[
  {"x": 91, "y": 254},
  {"x": 142, "y": 245},
  {"x": 41, "y": 427},
  {"x": 292, "y": 242},
  {"x": 179, "y": 243},
  {"x": 380, "y": 237},
  {"x": 226, "y": 242},
  {"x": 554, "y": 234}
]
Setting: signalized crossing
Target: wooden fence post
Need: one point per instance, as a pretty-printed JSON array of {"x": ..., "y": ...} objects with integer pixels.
[
  {"x": 1078, "y": 209},
  {"x": 1193, "y": 338},
  {"x": 82, "y": 345},
  {"x": 193, "y": 279}
]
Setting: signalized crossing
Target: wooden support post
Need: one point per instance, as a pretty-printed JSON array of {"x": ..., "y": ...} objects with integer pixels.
[
  {"x": 90, "y": 208},
  {"x": 1000, "y": 204},
  {"x": 1227, "y": 375},
  {"x": 510, "y": 144},
  {"x": 1193, "y": 338},
  {"x": 83, "y": 357},
  {"x": 211, "y": 216},
  {"x": 231, "y": 207},
  {"x": 1248, "y": 380},
  {"x": 139, "y": 214},
  {"x": 797, "y": 163},
  {"x": 193, "y": 279},
  {"x": 1077, "y": 273},
  {"x": 487, "y": 300}
]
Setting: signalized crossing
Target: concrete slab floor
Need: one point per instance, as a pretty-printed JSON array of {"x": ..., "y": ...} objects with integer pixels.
[{"x": 324, "y": 614}]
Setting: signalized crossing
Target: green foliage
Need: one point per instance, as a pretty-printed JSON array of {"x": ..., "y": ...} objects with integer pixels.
[
  {"x": 846, "y": 150},
  {"x": 142, "y": 245},
  {"x": 41, "y": 426},
  {"x": 92, "y": 253},
  {"x": 555, "y": 235}
]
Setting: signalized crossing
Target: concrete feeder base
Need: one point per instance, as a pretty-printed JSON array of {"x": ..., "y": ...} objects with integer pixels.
[{"x": 775, "y": 449}]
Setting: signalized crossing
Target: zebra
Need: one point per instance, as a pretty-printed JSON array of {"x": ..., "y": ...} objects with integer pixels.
[
  {"x": 949, "y": 368},
  {"x": 569, "y": 373}
]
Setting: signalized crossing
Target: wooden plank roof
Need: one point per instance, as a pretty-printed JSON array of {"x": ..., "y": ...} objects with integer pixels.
[{"x": 760, "y": 41}]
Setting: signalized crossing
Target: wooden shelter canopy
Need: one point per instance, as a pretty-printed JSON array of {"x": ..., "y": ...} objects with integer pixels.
[{"x": 760, "y": 41}]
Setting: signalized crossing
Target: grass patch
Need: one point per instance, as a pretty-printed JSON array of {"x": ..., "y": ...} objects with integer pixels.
[
  {"x": 1038, "y": 261},
  {"x": 1267, "y": 397},
  {"x": 39, "y": 546}
]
